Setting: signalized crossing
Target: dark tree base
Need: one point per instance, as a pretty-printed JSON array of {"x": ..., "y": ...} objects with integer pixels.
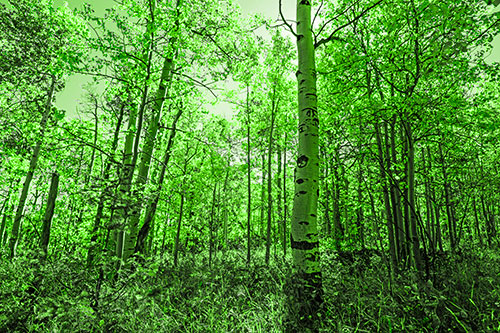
[{"x": 304, "y": 303}]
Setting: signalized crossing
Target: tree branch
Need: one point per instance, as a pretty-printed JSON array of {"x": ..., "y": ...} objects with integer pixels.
[
  {"x": 286, "y": 22},
  {"x": 332, "y": 35}
]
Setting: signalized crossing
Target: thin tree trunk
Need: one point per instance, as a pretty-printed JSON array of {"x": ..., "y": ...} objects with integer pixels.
[
  {"x": 7, "y": 211},
  {"x": 447, "y": 194},
  {"x": 147, "y": 151},
  {"x": 249, "y": 188},
  {"x": 337, "y": 224},
  {"x": 153, "y": 203},
  {"x": 285, "y": 207},
  {"x": 16, "y": 226},
  {"x": 269, "y": 180},
  {"x": 411, "y": 196},
  {"x": 262, "y": 195},
  {"x": 396, "y": 189},
  {"x": 327, "y": 196},
  {"x": 359, "y": 210},
  {"x": 94, "y": 143},
  {"x": 211, "y": 225},
  {"x": 385, "y": 192},
  {"x": 428, "y": 203},
  {"x": 126, "y": 173},
  {"x": 391, "y": 192},
  {"x": 278, "y": 201},
  {"x": 178, "y": 233},
  {"x": 225, "y": 203},
  {"x": 476, "y": 217},
  {"x": 405, "y": 201},
  {"x": 102, "y": 197},
  {"x": 49, "y": 213}
]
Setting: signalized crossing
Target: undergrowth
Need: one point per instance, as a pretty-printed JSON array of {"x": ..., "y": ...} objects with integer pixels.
[{"x": 463, "y": 295}]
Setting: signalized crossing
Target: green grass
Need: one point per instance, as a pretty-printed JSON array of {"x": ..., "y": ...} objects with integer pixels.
[{"x": 462, "y": 296}]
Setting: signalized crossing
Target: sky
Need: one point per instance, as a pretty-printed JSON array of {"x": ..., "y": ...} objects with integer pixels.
[{"x": 68, "y": 98}]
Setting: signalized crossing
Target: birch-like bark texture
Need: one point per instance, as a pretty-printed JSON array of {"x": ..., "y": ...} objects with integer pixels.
[
  {"x": 16, "y": 226},
  {"x": 304, "y": 233},
  {"x": 147, "y": 150},
  {"x": 49, "y": 213},
  {"x": 125, "y": 177},
  {"x": 306, "y": 297}
]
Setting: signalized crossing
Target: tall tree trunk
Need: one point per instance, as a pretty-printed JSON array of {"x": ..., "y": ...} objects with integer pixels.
[
  {"x": 396, "y": 191},
  {"x": 269, "y": 179},
  {"x": 447, "y": 195},
  {"x": 249, "y": 183},
  {"x": 16, "y": 226},
  {"x": 7, "y": 211},
  {"x": 211, "y": 227},
  {"x": 178, "y": 233},
  {"x": 49, "y": 213},
  {"x": 278, "y": 201},
  {"x": 411, "y": 197},
  {"x": 390, "y": 190},
  {"x": 486, "y": 215},
  {"x": 428, "y": 203},
  {"x": 405, "y": 197},
  {"x": 262, "y": 195},
  {"x": 285, "y": 207},
  {"x": 385, "y": 192},
  {"x": 304, "y": 232},
  {"x": 359, "y": 210},
  {"x": 476, "y": 218},
  {"x": 327, "y": 196},
  {"x": 147, "y": 153},
  {"x": 102, "y": 197},
  {"x": 123, "y": 201},
  {"x": 153, "y": 203},
  {"x": 338, "y": 230}
]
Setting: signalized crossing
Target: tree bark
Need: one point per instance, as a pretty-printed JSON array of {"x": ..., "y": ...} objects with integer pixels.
[
  {"x": 304, "y": 232},
  {"x": 269, "y": 178},
  {"x": 211, "y": 226},
  {"x": 49, "y": 213},
  {"x": 387, "y": 204},
  {"x": 147, "y": 152},
  {"x": 178, "y": 233},
  {"x": 123, "y": 201},
  {"x": 285, "y": 207},
  {"x": 102, "y": 197},
  {"x": 249, "y": 183},
  {"x": 411, "y": 197},
  {"x": 449, "y": 208},
  {"x": 16, "y": 226},
  {"x": 153, "y": 203},
  {"x": 130, "y": 239}
]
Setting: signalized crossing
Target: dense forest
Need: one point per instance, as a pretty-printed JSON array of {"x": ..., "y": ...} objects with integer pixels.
[{"x": 337, "y": 171}]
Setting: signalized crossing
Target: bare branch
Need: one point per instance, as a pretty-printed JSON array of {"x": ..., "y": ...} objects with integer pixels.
[
  {"x": 357, "y": 17},
  {"x": 317, "y": 12},
  {"x": 336, "y": 17},
  {"x": 286, "y": 22},
  {"x": 198, "y": 82}
]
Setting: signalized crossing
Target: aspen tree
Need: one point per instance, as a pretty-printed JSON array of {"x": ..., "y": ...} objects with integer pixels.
[
  {"x": 304, "y": 229},
  {"x": 49, "y": 213},
  {"x": 16, "y": 226},
  {"x": 147, "y": 150}
]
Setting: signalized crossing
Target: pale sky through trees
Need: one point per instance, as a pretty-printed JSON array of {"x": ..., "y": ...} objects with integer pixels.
[{"x": 68, "y": 98}]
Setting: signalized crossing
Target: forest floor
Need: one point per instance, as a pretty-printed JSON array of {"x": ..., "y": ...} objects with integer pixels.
[{"x": 462, "y": 295}]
